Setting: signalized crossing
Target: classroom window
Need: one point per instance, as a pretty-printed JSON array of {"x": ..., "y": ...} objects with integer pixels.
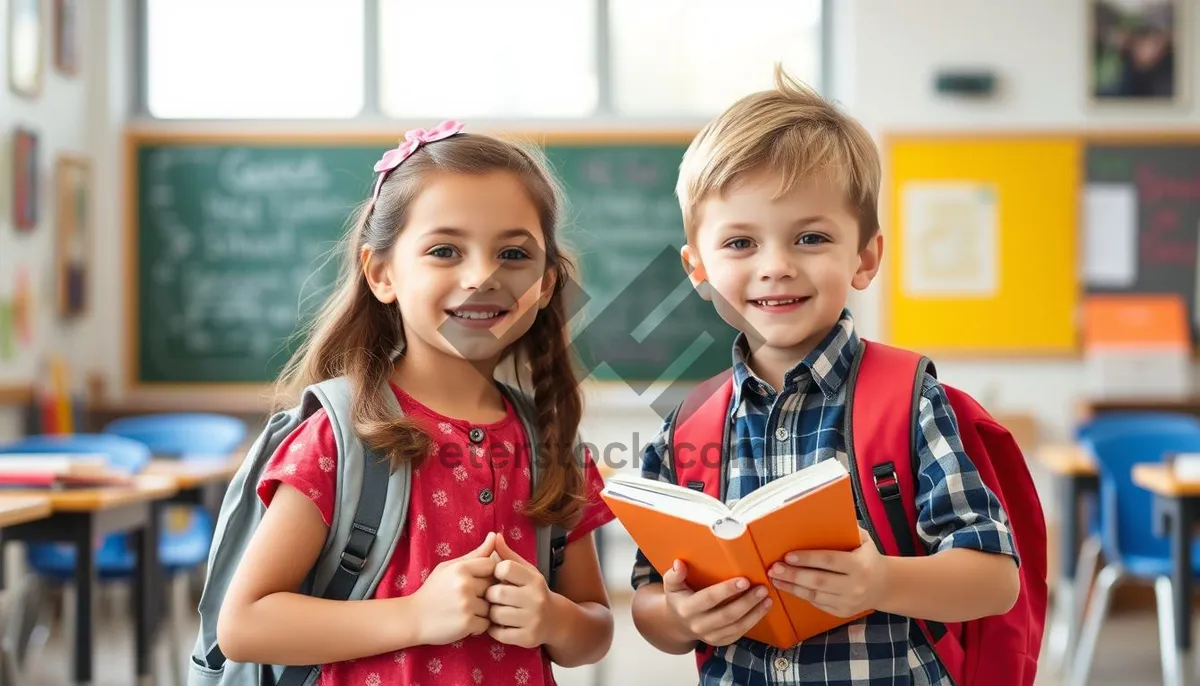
[
  {"x": 243, "y": 59},
  {"x": 524, "y": 59},
  {"x": 482, "y": 58},
  {"x": 681, "y": 57}
]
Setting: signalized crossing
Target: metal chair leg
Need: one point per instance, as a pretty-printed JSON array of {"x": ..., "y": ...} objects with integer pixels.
[
  {"x": 1172, "y": 660},
  {"x": 1093, "y": 621},
  {"x": 1085, "y": 573},
  {"x": 1070, "y": 602}
]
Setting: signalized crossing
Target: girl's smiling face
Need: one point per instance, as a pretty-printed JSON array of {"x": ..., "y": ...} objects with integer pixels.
[{"x": 468, "y": 269}]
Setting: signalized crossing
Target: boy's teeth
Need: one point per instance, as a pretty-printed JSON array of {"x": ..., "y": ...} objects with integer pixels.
[{"x": 772, "y": 303}]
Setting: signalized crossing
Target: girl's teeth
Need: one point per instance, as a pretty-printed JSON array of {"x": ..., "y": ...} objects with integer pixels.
[
  {"x": 772, "y": 303},
  {"x": 477, "y": 315}
]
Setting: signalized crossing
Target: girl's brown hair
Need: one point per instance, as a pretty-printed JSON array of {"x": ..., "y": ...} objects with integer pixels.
[{"x": 355, "y": 335}]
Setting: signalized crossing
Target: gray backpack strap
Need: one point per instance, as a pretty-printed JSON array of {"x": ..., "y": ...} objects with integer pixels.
[
  {"x": 347, "y": 569},
  {"x": 551, "y": 540}
]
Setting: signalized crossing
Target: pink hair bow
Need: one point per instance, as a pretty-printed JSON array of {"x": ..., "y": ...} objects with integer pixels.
[{"x": 413, "y": 139}]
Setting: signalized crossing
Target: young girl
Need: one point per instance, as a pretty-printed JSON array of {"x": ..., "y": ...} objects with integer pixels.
[{"x": 453, "y": 268}]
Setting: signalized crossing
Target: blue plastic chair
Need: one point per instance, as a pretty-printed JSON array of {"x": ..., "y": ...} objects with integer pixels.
[
  {"x": 182, "y": 435},
  {"x": 114, "y": 559},
  {"x": 1131, "y": 548},
  {"x": 186, "y": 532}
]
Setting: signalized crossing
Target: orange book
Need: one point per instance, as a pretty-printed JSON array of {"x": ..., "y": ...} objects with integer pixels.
[{"x": 811, "y": 509}]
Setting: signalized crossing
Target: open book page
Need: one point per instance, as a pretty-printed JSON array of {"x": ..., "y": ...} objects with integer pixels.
[
  {"x": 784, "y": 490},
  {"x": 676, "y": 500}
]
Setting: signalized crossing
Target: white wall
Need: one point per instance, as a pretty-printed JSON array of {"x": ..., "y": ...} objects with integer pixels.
[
  {"x": 63, "y": 116},
  {"x": 1037, "y": 50}
]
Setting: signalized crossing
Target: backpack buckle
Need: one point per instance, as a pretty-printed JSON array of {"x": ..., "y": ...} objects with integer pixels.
[
  {"x": 352, "y": 563},
  {"x": 558, "y": 551},
  {"x": 886, "y": 483}
]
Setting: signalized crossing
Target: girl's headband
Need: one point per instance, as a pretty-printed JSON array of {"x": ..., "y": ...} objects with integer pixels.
[{"x": 413, "y": 139}]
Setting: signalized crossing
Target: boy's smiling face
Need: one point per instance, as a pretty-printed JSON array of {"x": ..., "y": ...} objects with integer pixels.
[{"x": 780, "y": 269}]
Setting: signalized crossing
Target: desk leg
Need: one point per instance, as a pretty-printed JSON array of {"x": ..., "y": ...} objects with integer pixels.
[
  {"x": 147, "y": 578},
  {"x": 85, "y": 584},
  {"x": 1175, "y": 517},
  {"x": 1183, "y": 511}
]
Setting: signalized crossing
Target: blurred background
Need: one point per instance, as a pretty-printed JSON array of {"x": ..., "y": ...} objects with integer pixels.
[{"x": 175, "y": 173}]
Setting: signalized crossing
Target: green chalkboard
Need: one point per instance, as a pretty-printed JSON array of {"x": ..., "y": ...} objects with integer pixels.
[
  {"x": 236, "y": 247},
  {"x": 1162, "y": 180}
]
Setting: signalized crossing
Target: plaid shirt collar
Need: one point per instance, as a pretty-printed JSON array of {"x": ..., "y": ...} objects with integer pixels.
[{"x": 828, "y": 364}]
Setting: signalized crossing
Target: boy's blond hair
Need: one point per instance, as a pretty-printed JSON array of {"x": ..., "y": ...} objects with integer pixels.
[{"x": 790, "y": 129}]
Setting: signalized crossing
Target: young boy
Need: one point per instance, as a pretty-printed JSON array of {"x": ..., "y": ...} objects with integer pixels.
[{"x": 779, "y": 201}]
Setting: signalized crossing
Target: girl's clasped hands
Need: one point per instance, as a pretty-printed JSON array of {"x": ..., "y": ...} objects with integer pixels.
[{"x": 489, "y": 590}]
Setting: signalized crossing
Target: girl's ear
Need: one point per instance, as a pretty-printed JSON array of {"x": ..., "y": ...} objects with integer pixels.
[
  {"x": 378, "y": 274},
  {"x": 549, "y": 281},
  {"x": 695, "y": 271}
]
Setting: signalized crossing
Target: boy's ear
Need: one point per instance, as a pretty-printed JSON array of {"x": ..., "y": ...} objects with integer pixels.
[
  {"x": 378, "y": 275},
  {"x": 868, "y": 263},
  {"x": 695, "y": 271}
]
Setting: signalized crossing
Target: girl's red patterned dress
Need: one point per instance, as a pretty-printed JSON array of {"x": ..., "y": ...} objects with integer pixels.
[{"x": 476, "y": 481}]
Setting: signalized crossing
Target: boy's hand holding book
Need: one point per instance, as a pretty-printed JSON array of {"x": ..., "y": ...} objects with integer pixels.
[
  {"x": 844, "y": 584},
  {"x": 810, "y": 512},
  {"x": 717, "y": 615}
]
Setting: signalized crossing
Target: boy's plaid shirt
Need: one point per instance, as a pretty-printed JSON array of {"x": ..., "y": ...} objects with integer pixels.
[{"x": 775, "y": 434}]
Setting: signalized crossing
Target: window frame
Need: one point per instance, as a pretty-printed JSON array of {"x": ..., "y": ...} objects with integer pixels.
[{"x": 371, "y": 113}]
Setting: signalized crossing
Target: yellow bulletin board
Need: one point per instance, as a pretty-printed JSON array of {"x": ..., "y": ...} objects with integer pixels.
[{"x": 980, "y": 247}]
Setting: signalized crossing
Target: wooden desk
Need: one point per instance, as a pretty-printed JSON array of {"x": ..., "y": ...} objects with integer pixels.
[
  {"x": 193, "y": 474},
  {"x": 16, "y": 510},
  {"x": 1161, "y": 480},
  {"x": 1090, "y": 407},
  {"x": 80, "y": 517},
  {"x": 1066, "y": 459},
  {"x": 22, "y": 509},
  {"x": 1176, "y": 506},
  {"x": 1076, "y": 480}
]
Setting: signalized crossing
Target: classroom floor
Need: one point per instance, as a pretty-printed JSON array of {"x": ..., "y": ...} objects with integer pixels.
[{"x": 1127, "y": 655}]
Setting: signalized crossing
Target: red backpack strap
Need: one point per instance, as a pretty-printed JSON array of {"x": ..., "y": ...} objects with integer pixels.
[
  {"x": 883, "y": 401},
  {"x": 883, "y": 398},
  {"x": 699, "y": 434}
]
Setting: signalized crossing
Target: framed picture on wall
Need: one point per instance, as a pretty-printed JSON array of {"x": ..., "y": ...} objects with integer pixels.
[
  {"x": 25, "y": 47},
  {"x": 25, "y": 179},
  {"x": 1137, "y": 52},
  {"x": 74, "y": 228},
  {"x": 66, "y": 36}
]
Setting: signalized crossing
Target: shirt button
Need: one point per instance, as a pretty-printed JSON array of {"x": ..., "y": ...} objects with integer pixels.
[
  {"x": 781, "y": 663},
  {"x": 781, "y": 434},
  {"x": 485, "y": 496},
  {"x": 475, "y": 434}
]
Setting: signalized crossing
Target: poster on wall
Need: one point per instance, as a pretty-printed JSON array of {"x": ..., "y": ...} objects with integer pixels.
[
  {"x": 66, "y": 36},
  {"x": 25, "y": 47},
  {"x": 949, "y": 239},
  {"x": 1137, "y": 52},
  {"x": 74, "y": 234},
  {"x": 25, "y": 176}
]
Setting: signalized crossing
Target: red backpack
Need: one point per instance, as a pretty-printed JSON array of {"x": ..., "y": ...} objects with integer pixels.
[{"x": 883, "y": 392}]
